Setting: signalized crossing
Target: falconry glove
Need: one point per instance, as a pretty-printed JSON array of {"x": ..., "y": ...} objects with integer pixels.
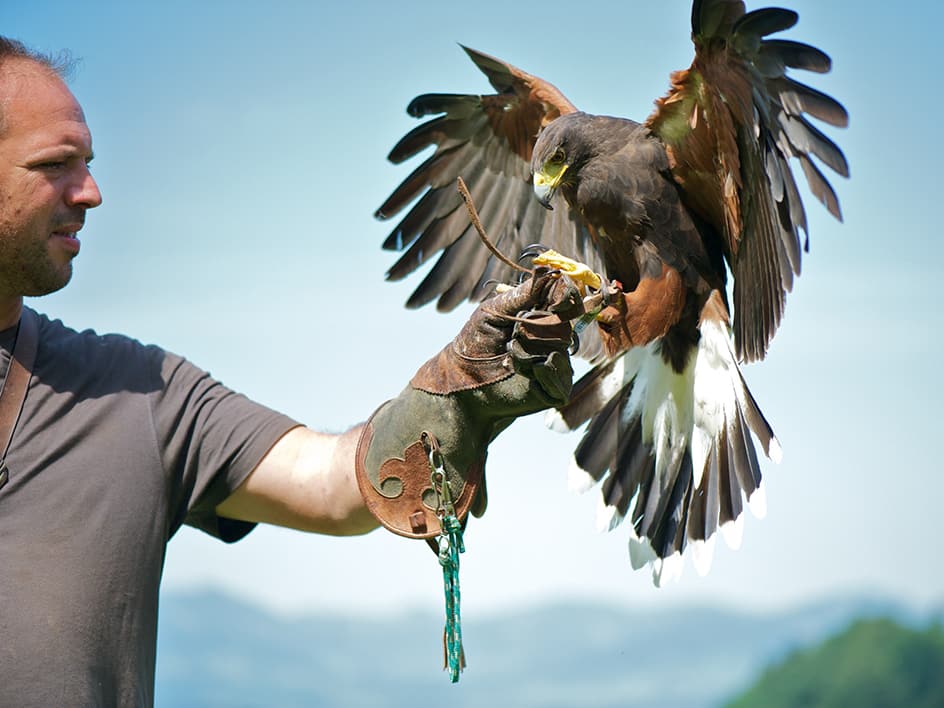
[{"x": 510, "y": 359}]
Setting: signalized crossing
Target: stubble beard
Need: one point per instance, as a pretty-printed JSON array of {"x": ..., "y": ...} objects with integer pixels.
[{"x": 27, "y": 269}]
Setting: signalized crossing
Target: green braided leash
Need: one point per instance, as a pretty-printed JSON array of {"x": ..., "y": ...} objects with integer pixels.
[{"x": 450, "y": 546}]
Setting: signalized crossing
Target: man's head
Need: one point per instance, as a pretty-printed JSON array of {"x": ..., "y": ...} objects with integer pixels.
[{"x": 45, "y": 184}]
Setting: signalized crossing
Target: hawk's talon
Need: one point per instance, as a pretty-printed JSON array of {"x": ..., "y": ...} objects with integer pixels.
[
  {"x": 574, "y": 343},
  {"x": 530, "y": 251},
  {"x": 610, "y": 291}
]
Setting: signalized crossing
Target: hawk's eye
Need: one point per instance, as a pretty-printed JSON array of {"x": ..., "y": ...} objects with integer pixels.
[{"x": 558, "y": 157}]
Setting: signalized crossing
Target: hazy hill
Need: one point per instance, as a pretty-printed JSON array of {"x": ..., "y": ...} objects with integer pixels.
[
  {"x": 875, "y": 664},
  {"x": 217, "y": 651}
]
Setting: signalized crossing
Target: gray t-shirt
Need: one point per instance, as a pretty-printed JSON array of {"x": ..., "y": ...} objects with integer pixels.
[{"x": 118, "y": 445}]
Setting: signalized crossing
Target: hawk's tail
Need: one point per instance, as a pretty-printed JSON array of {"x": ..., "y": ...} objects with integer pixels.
[{"x": 673, "y": 451}]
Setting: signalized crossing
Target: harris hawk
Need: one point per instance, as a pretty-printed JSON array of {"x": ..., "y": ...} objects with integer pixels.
[{"x": 666, "y": 209}]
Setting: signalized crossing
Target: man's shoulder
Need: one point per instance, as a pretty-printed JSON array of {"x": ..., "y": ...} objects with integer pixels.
[
  {"x": 69, "y": 356},
  {"x": 56, "y": 335}
]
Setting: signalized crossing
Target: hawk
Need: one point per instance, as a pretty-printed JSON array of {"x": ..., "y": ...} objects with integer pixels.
[{"x": 666, "y": 208}]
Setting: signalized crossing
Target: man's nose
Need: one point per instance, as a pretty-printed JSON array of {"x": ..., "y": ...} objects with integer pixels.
[{"x": 84, "y": 190}]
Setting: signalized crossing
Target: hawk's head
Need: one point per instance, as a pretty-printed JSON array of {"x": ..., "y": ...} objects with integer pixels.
[{"x": 561, "y": 150}]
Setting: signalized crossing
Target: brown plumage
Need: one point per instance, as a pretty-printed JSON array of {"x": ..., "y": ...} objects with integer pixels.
[{"x": 666, "y": 208}]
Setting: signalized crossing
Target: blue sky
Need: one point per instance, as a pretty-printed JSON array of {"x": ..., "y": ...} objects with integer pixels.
[{"x": 240, "y": 148}]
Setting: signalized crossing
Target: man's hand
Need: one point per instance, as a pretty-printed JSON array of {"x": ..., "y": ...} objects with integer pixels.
[
  {"x": 526, "y": 331},
  {"x": 510, "y": 359}
]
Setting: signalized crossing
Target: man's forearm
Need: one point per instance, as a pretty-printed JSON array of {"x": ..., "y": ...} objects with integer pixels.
[{"x": 306, "y": 482}]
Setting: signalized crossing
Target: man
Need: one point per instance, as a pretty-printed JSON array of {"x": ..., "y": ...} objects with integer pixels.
[{"x": 118, "y": 444}]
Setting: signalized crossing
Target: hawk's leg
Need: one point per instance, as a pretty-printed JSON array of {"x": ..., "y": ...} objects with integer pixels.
[{"x": 644, "y": 314}]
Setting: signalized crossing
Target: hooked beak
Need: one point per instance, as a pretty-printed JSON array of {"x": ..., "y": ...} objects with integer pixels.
[{"x": 546, "y": 182}]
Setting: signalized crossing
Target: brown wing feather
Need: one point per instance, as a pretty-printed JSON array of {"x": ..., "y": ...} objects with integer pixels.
[
  {"x": 731, "y": 123},
  {"x": 487, "y": 140}
]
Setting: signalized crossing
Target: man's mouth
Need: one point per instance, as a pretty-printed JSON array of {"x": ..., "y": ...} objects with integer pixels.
[{"x": 66, "y": 237}]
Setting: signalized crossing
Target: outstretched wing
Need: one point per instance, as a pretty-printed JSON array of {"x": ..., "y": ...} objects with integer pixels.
[
  {"x": 731, "y": 123},
  {"x": 486, "y": 140}
]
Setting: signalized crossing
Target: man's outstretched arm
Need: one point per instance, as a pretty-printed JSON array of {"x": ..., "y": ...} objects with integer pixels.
[{"x": 305, "y": 482}]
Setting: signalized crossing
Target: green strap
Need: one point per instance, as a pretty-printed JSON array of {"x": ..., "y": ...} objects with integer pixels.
[{"x": 450, "y": 546}]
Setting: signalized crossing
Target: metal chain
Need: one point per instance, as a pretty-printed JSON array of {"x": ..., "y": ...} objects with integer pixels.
[{"x": 450, "y": 546}]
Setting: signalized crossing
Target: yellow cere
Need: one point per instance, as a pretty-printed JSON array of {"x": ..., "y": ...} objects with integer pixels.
[
  {"x": 550, "y": 174},
  {"x": 577, "y": 271}
]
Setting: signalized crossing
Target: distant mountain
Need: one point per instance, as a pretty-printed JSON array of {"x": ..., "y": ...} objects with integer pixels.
[
  {"x": 875, "y": 663},
  {"x": 214, "y": 650}
]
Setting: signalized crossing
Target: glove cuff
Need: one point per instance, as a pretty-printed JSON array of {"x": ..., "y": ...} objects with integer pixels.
[{"x": 394, "y": 470}]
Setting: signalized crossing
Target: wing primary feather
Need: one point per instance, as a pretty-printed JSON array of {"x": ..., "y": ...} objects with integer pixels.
[
  {"x": 797, "y": 98},
  {"x": 820, "y": 187},
  {"x": 438, "y": 234},
  {"x": 462, "y": 259},
  {"x": 425, "y": 175},
  {"x": 511, "y": 81},
  {"x": 442, "y": 231},
  {"x": 754, "y": 418},
  {"x": 444, "y": 132},
  {"x": 465, "y": 262},
  {"x": 711, "y": 18},
  {"x": 797, "y": 55},
  {"x": 470, "y": 260},
  {"x": 765, "y": 21},
  {"x": 807, "y": 139},
  {"x": 788, "y": 247},
  {"x": 439, "y": 277},
  {"x": 496, "y": 71},
  {"x": 794, "y": 216},
  {"x": 455, "y": 105},
  {"x": 432, "y": 205},
  {"x": 508, "y": 203},
  {"x": 772, "y": 166},
  {"x": 786, "y": 243}
]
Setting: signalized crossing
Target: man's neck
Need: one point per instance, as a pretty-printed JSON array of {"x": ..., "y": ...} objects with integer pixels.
[{"x": 10, "y": 309}]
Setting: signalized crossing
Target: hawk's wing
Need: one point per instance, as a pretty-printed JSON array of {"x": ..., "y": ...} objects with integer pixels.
[
  {"x": 730, "y": 124},
  {"x": 486, "y": 140}
]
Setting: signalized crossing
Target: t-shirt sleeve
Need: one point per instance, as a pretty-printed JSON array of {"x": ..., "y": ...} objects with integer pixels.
[{"x": 211, "y": 438}]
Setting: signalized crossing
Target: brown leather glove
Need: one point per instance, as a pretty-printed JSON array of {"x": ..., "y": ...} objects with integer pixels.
[{"x": 509, "y": 360}]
